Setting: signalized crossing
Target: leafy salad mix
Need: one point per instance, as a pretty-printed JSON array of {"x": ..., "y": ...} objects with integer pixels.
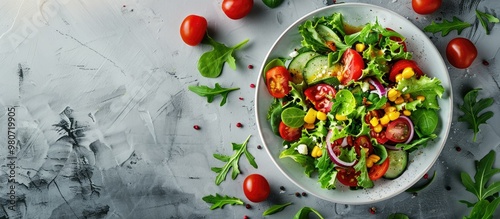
[{"x": 351, "y": 103}]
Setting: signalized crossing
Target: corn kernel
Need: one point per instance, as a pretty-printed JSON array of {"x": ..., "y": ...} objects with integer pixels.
[
  {"x": 310, "y": 116},
  {"x": 399, "y": 77},
  {"x": 321, "y": 116},
  {"x": 408, "y": 72},
  {"x": 316, "y": 152},
  {"x": 421, "y": 98},
  {"x": 406, "y": 96},
  {"x": 340, "y": 117},
  {"x": 378, "y": 128},
  {"x": 309, "y": 125},
  {"x": 390, "y": 109},
  {"x": 374, "y": 121},
  {"x": 360, "y": 47},
  {"x": 399, "y": 100},
  {"x": 372, "y": 159},
  {"x": 394, "y": 115},
  {"x": 385, "y": 120},
  {"x": 407, "y": 112},
  {"x": 392, "y": 93}
]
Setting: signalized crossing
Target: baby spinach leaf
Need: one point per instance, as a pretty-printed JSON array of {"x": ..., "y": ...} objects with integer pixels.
[
  {"x": 232, "y": 162},
  {"x": 275, "y": 209},
  {"x": 472, "y": 109},
  {"x": 484, "y": 17},
  {"x": 218, "y": 201},
  {"x": 293, "y": 117},
  {"x": 398, "y": 216},
  {"x": 211, "y": 63},
  {"x": 447, "y": 26},
  {"x": 425, "y": 120},
  {"x": 303, "y": 213},
  {"x": 272, "y": 3},
  {"x": 210, "y": 93}
]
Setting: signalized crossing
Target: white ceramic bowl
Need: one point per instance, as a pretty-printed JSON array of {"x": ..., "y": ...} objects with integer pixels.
[{"x": 420, "y": 161}]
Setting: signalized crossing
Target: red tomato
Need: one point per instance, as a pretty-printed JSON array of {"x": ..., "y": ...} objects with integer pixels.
[
  {"x": 277, "y": 80},
  {"x": 347, "y": 176},
  {"x": 237, "y": 9},
  {"x": 193, "y": 29},
  {"x": 380, "y": 137},
  {"x": 398, "y": 130},
  {"x": 461, "y": 52},
  {"x": 426, "y": 6},
  {"x": 321, "y": 95},
  {"x": 378, "y": 170},
  {"x": 363, "y": 142},
  {"x": 289, "y": 133},
  {"x": 256, "y": 187},
  {"x": 400, "y": 65},
  {"x": 353, "y": 66}
]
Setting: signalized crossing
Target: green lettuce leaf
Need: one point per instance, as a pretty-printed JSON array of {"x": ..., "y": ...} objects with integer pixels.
[{"x": 430, "y": 88}]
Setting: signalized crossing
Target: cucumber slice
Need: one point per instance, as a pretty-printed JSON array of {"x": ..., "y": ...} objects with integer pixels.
[
  {"x": 398, "y": 161},
  {"x": 317, "y": 70},
  {"x": 296, "y": 66}
]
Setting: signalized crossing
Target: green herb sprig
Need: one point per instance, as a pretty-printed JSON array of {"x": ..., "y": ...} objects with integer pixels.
[
  {"x": 233, "y": 162},
  {"x": 303, "y": 213},
  {"x": 447, "y": 26},
  {"x": 472, "y": 109},
  {"x": 211, "y": 93},
  {"x": 275, "y": 209},
  {"x": 484, "y": 18},
  {"x": 218, "y": 201},
  {"x": 487, "y": 195},
  {"x": 211, "y": 63}
]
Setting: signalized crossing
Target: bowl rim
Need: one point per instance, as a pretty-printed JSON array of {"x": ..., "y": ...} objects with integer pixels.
[{"x": 448, "y": 91}]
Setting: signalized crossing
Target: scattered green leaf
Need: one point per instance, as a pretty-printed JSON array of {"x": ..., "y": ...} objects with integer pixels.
[
  {"x": 420, "y": 188},
  {"x": 211, "y": 63},
  {"x": 218, "y": 201},
  {"x": 398, "y": 216},
  {"x": 272, "y": 3},
  {"x": 487, "y": 195},
  {"x": 210, "y": 93},
  {"x": 275, "y": 209},
  {"x": 233, "y": 162},
  {"x": 303, "y": 213},
  {"x": 447, "y": 26},
  {"x": 484, "y": 18},
  {"x": 472, "y": 108},
  {"x": 293, "y": 117}
]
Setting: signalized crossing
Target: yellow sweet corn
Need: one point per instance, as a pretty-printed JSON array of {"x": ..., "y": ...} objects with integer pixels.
[
  {"x": 394, "y": 115},
  {"x": 374, "y": 121},
  {"x": 399, "y": 77},
  {"x": 408, "y": 72},
  {"x": 310, "y": 116},
  {"x": 360, "y": 47},
  {"x": 392, "y": 93},
  {"x": 399, "y": 100},
  {"x": 309, "y": 126},
  {"x": 407, "y": 112},
  {"x": 378, "y": 128},
  {"x": 385, "y": 120},
  {"x": 321, "y": 116},
  {"x": 340, "y": 117},
  {"x": 421, "y": 98},
  {"x": 372, "y": 159},
  {"x": 316, "y": 152},
  {"x": 390, "y": 109}
]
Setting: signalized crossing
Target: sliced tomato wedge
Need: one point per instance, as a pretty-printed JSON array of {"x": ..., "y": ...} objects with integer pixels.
[
  {"x": 353, "y": 66},
  {"x": 289, "y": 133},
  {"x": 347, "y": 176},
  {"x": 400, "y": 65},
  {"x": 321, "y": 95},
  {"x": 363, "y": 142},
  {"x": 378, "y": 170},
  {"x": 398, "y": 130},
  {"x": 277, "y": 80},
  {"x": 380, "y": 137}
]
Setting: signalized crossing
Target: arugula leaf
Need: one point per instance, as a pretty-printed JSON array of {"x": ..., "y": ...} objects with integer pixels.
[
  {"x": 218, "y": 201},
  {"x": 447, "y": 26},
  {"x": 210, "y": 93},
  {"x": 483, "y": 17},
  {"x": 272, "y": 3},
  {"x": 363, "y": 178},
  {"x": 275, "y": 209},
  {"x": 211, "y": 63},
  {"x": 413, "y": 145},
  {"x": 303, "y": 213},
  {"x": 472, "y": 108},
  {"x": 233, "y": 162},
  {"x": 487, "y": 195}
]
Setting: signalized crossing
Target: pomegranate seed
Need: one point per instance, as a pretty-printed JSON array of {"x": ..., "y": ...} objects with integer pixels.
[
  {"x": 297, "y": 194},
  {"x": 373, "y": 210},
  {"x": 250, "y": 66},
  {"x": 485, "y": 63},
  {"x": 248, "y": 206},
  {"x": 282, "y": 188},
  {"x": 239, "y": 125},
  {"x": 259, "y": 147},
  {"x": 458, "y": 148},
  {"x": 304, "y": 194},
  {"x": 245, "y": 217},
  {"x": 426, "y": 176},
  {"x": 196, "y": 127},
  {"x": 241, "y": 98},
  {"x": 252, "y": 85}
]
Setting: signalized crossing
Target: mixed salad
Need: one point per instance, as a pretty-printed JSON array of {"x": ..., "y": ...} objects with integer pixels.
[{"x": 350, "y": 103}]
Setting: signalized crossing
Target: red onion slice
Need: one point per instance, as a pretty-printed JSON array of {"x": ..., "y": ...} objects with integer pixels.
[
  {"x": 333, "y": 157},
  {"x": 379, "y": 88}
]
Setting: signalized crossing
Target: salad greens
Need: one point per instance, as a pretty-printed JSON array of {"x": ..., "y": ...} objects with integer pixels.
[
  {"x": 211, "y": 63},
  {"x": 233, "y": 162},
  {"x": 487, "y": 195},
  {"x": 304, "y": 212},
  {"x": 484, "y": 18},
  {"x": 275, "y": 209},
  {"x": 211, "y": 93},
  {"x": 345, "y": 76},
  {"x": 218, "y": 201},
  {"x": 447, "y": 26},
  {"x": 472, "y": 109}
]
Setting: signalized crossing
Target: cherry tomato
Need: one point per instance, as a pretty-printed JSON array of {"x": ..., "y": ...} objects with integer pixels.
[
  {"x": 237, "y": 9},
  {"x": 353, "y": 66},
  {"x": 256, "y": 187},
  {"x": 363, "y": 142},
  {"x": 398, "y": 130},
  {"x": 321, "y": 95},
  {"x": 378, "y": 170},
  {"x": 277, "y": 79},
  {"x": 461, "y": 52},
  {"x": 425, "y": 6},
  {"x": 193, "y": 29},
  {"x": 347, "y": 176},
  {"x": 289, "y": 133},
  {"x": 400, "y": 65},
  {"x": 380, "y": 136}
]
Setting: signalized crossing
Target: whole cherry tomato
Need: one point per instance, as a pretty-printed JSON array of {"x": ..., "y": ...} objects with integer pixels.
[
  {"x": 426, "y": 6},
  {"x": 256, "y": 187},
  {"x": 461, "y": 52},
  {"x": 237, "y": 9},
  {"x": 193, "y": 29}
]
